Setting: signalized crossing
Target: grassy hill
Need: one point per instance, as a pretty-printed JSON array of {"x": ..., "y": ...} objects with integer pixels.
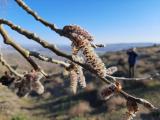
[{"x": 58, "y": 104}]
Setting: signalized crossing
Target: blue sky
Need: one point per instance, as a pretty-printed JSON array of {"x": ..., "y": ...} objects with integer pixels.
[{"x": 109, "y": 21}]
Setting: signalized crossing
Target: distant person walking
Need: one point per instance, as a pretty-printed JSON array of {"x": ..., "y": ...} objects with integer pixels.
[{"x": 132, "y": 57}]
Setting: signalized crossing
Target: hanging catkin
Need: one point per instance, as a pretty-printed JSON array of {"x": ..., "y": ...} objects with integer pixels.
[
  {"x": 81, "y": 79},
  {"x": 81, "y": 41},
  {"x": 76, "y": 75},
  {"x": 38, "y": 87},
  {"x": 132, "y": 108},
  {"x": 36, "y": 84},
  {"x": 109, "y": 90},
  {"x": 73, "y": 81}
]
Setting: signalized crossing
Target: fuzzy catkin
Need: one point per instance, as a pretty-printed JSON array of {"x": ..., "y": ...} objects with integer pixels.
[
  {"x": 132, "y": 108},
  {"x": 81, "y": 41},
  {"x": 107, "y": 91},
  {"x": 93, "y": 60},
  {"x": 76, "y": 75},
  {"x": 73, "y": 81},
  {"x": 81, "y": 79},
  {"x": 36, "y": 84},
  {"x": 75, "y": 31},
  {"x": 38, "y": 87}
]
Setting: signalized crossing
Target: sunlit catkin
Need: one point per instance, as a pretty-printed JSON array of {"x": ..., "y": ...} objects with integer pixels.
[
  {"x": 81, "y": 79},
  {"x": 81, "y": 41},
  {"x": 109, "y": 90},
  {"x": 76, "y": 75},
  {"x": 73, "y": 81}
]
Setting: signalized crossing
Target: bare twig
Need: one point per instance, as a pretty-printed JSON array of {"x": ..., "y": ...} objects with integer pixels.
[
  {"x": 98, "y": 45},
  {"x": 3, "y": 61},
  {"x": 130, "y": 79},
  {"x": 64, "y": 64},
  {"x": 141, "y": 101},
  {"x": 48, "y": 59},
  {"x": 54, "y": 49},
  {"x": 46, "y": 23},
  {"x": 36, "y": 38},
  {"x": 22, "y": 51},
  {"x": 38, "y": 18}
]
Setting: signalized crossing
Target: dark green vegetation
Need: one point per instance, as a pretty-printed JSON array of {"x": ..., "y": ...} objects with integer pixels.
[{"x": 58, "y": 104}]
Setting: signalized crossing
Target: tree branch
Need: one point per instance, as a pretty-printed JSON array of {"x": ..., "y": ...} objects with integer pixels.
[
  {"x": 53, "y": 48},
  {"x": 22, "y": 51},
  {"x": 48, "y": 59},
  {"x": 98, "y": 45},
  {"x": 131, "y": 79},
  {"x": 59, "y": 31},
  {"x": 4, "y": 63},
  {"x": 46, "y": 23},
  {"x": 141, "y": 101},
  {"x": 36, "y": 38},
  {"x": 38, "y": 18},
  {"x": 64, "y": 64},
  {"x": 45, "y": 44}
]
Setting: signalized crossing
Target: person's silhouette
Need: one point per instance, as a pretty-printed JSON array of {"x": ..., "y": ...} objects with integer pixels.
[{"x": 132, "y": 56}]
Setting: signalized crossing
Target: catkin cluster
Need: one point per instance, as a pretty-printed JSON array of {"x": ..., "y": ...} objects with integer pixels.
[
  {"x": 81, "y": 41},
  {"x": 37, "y": 85},
  {"x": 30, "y": 83},
  {"x": 76, "y": 75},
  {"x": 109, "y": 90},
  {"x": 74, "y": 32}
]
